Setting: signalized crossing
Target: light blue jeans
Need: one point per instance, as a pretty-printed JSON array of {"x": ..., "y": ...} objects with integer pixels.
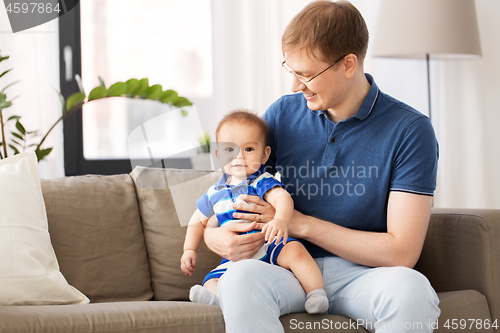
[{"x": 254, "y": 294}]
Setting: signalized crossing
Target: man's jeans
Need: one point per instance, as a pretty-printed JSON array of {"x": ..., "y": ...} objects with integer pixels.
[{"x": 254, "y": 294}]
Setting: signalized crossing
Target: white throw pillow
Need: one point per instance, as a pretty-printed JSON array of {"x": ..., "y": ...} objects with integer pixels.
[{"x": 29, "y": 272}]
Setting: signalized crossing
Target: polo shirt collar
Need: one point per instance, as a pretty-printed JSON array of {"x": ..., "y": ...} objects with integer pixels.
[
  {"x": 366, "y": 106},
  {"x": 225, "y": 177}
]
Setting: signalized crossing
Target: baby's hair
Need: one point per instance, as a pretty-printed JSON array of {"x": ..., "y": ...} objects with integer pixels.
[{"x": 243, "y": 116}]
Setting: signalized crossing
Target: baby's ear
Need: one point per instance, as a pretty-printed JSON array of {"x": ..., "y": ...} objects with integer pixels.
[{"x": 267, "y": 152}]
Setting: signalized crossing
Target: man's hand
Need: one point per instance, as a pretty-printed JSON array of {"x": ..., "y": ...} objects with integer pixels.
[
  {"x": 227, "y": 242},
  {"x": 263, "y": 211},
  {"x": 276, "y": 228}
]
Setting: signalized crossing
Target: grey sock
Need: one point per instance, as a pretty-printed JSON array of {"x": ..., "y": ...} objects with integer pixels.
[
  {"x": 317, "y": 301},
  {"x": 198, "y": 294}
]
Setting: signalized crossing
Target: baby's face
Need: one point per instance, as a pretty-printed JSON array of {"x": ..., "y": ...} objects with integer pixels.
[{"x": 241, "y": 149}]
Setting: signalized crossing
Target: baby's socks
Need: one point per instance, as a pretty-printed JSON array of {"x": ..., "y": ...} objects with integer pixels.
[
  {"x": 198, "y": 294},
  {"x": 317, "y": 301}
]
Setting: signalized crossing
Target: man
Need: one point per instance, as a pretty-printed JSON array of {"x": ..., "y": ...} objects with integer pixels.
[{"x": 361, "y": 167}]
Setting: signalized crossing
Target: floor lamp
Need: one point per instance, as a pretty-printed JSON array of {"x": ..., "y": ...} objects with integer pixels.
[{"x": 438, "y": 29}]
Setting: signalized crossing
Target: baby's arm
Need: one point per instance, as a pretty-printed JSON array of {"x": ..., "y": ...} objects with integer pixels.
[
  {"x": 282, "y": 202},
  {"x": 194, "y": 234}
]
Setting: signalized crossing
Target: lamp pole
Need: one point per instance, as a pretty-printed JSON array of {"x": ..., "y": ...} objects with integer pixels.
[{"x": 429, "y": 83}]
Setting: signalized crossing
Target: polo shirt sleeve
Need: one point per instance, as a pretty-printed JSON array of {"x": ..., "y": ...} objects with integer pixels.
[
  {"x": 266, "y": 182},
  {"x": 204, "y": 205},
  {"x": 415, "y": 166}
]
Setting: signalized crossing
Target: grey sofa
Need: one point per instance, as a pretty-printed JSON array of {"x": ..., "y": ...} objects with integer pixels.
[{"x": 118, "y": 239}]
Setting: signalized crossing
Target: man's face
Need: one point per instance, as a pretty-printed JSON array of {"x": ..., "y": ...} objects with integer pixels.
[
  {"x": 325, "y": 92},
  {"x": 241, "y": 149}
]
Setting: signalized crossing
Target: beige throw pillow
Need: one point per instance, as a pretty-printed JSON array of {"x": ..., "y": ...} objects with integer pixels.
[{"x": 29, "y": 272}]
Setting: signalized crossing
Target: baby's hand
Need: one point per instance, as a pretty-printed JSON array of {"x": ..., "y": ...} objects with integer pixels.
[
  {"x": 188, "y": 262},
  {"x": 276, "y": 227}
]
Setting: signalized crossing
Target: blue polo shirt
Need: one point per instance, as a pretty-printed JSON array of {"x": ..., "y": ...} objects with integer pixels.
[{"x": 343, "y": 172}]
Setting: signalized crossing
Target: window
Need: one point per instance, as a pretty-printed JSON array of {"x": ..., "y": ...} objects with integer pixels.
[{"x": 170, "y": 43}]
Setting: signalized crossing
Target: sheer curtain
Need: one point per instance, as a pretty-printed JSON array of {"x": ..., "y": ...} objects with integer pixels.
[
  {"x": 34, "y": 57},
  {"x": 468, "y": 121},
  {"x": 247, "y": 53}
]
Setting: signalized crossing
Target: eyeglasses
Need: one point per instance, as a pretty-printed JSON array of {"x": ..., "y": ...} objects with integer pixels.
[{"x": 302, "y": 78}]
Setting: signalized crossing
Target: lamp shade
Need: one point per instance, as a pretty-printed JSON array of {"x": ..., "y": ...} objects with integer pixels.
[{"x": 442, "y": 29}]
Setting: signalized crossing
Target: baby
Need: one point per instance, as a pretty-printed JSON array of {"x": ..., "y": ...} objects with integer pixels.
[{"x": 242, "y": 148}]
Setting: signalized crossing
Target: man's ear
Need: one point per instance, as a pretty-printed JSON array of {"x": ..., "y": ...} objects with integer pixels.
[
  {"x": 350, "y": 65},
  {"x": 267, "y": 152}
]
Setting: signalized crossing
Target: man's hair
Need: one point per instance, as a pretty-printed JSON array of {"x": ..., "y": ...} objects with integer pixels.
[
  {"x": 243, "y": 116},
  {"x": 333, "y": 28}
]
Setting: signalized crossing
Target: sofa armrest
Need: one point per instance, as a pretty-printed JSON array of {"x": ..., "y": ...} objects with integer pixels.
[{"x": 462, "y": 251}]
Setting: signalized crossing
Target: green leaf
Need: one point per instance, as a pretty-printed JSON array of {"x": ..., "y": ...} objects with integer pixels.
[
  {"x": 14, "y": 149},
  {"x": 40, "y": 154},
  {"x": 132, "y": 85},
  {"x": 14, "y": 118},
  {"x": 4, "y": 105},
  {"x": 75, "y": 99},
  {"x": 182, "y": 102},
  {"x": 9, "y": 85},
  {"x": 101, "y": 83},
  {"x": 17, "y": 143},
  {"x": 4, "y": 58},
  {"x": 184, "y": 113},
  {"x": 20, "y": 128},
  {"x": 141, "y": 88},
  {"x": 154, "y": 92},
  {"x": 17, "y": 135},
  {"x": 116, "y": 89},
  {"x": 169, "y": 96},
  {"x": 5, "y": 72},
  {"x": 96, "y": 93}
]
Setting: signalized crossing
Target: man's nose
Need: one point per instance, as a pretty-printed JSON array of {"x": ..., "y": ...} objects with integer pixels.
[{"x": 297, "y": 85}]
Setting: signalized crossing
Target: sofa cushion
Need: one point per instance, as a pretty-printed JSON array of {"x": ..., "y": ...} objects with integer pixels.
[
  {"x": 461, "y": 252},
  {"x": 167, "y": 199},
  {"x": 97, "y": 236},
  {"x": 467, "y": 308},
  {"x": 119, "y": 317}
]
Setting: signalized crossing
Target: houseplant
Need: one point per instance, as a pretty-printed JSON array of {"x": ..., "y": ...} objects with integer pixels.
[{"x": 20, "y": 138}]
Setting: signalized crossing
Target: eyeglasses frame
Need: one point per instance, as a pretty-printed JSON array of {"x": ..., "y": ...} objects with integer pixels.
[{"x": 303, "y": 79}]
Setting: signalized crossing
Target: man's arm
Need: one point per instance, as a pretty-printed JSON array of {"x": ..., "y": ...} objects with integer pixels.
[{"x": 408, "y": 217}]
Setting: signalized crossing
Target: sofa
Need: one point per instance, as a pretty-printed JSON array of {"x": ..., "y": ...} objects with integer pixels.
[{"x": 118, "y": 239}]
